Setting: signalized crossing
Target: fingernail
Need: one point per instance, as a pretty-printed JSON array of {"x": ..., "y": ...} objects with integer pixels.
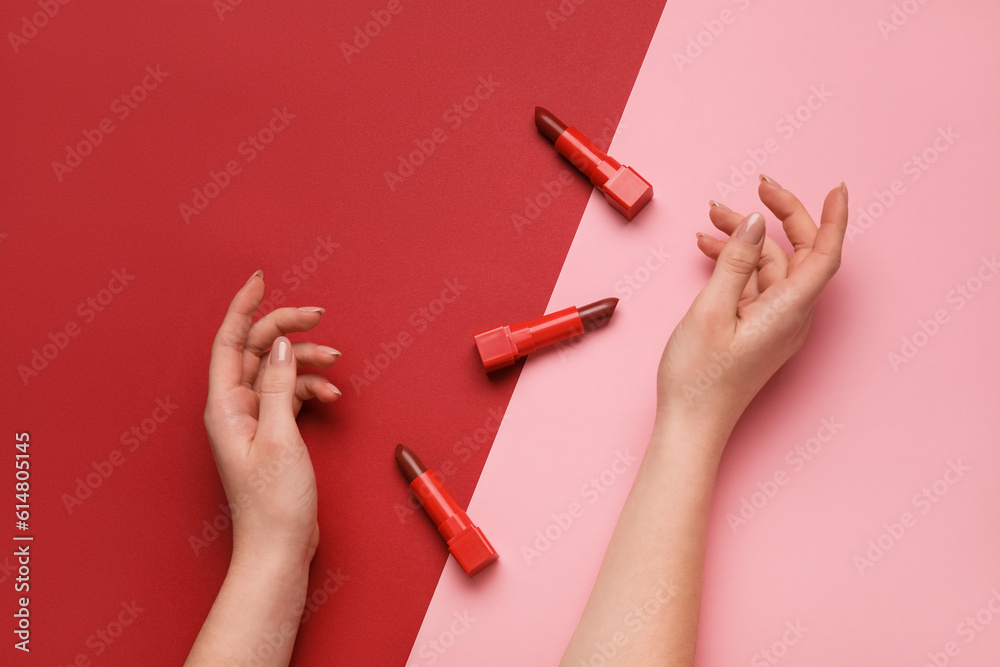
[
  {"x": 257, "y": 274},
  {"x": 700, "y": 235},
  {"x": 313, "y": 309},
  {"x": 334, "y": 390},
  {"x": 712, "y": 202},
  {"x": 281, "y": 351},
  {"x": 843, "y": 188},
  {"x": 328, "y": 350},
  {"x": 751, "y": 229},
  {"x": 770, "y": 180}
]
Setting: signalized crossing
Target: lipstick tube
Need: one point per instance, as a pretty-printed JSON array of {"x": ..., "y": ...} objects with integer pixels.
[
  {"x": 466, "y": 541},
  {"x": 626, "y": 191},
  {"x": 502, "y": 346}
]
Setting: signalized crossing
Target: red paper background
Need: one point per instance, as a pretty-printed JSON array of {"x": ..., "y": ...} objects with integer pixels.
[{"x": 321, "y": 177}]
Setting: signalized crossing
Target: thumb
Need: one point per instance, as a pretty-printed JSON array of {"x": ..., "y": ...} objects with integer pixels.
[
  {"x": 277, "y": 389},
  {"x": 737, "y": 261}
]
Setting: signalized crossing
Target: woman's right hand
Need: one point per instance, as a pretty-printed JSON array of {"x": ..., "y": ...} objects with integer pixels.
[{"x": 756, "y": 309}]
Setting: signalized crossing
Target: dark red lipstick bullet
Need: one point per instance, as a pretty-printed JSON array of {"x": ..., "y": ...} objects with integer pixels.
[
  {"x": 502, "y": 346},
  {"x": 623, "y": 187},
  {"x": 466, "y": 541}
]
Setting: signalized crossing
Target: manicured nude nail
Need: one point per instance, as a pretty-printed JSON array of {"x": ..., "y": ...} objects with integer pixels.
[
  {"x": 328, "y": 350},
  {"x": 334, "y": 389},
  {"x": 843, "y": 188},
  {"x": 751, "y": 229},
  {"x": 281, "y": 351},
  {"x": 313, "y": 309},
  {"x": 702, "y": 235},
  {"x": 257, "y": 274},
  {"x": 770, "y": 180},
  {"x": 712, "y": 202}
]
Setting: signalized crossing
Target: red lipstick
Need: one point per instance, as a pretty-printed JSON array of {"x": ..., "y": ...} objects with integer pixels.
[
  {"x": 502, "y": 346},
  {"x": 623, "y": 187},
  {"x": 466, "y": 541}
]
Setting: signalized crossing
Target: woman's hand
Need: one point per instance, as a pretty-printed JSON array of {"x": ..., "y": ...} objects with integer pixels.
[
  {"x": 254, "y": 395},
  {"x": 756, "y": 309},
  {"x": 750, "y": 318}
]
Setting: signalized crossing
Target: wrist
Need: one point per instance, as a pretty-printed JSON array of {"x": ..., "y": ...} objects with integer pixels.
[
  {"x": 700, "y": 438},
  {"x": 283, "y": 564},
  {"x": 262, "y": 538}
]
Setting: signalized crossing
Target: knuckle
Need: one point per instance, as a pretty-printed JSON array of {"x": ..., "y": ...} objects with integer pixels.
[
  {"x": 275, "y": 387},
  {"x": 231, "y": 337},
  {"x": 740, "y": 263}
]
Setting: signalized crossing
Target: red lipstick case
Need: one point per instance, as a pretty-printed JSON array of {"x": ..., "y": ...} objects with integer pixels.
[
  {"x": 502, "y": 346},
  {"x": 466, "y": 541},
  {"x": 623, "y": 187}
]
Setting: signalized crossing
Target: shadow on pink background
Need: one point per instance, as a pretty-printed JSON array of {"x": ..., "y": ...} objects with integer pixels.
[{"x": 857, "y": 507}]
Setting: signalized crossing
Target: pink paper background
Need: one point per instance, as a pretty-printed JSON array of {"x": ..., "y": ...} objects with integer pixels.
[{"x": 684, "y": 129}]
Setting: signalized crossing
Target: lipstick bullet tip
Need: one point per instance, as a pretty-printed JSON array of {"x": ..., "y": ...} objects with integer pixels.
[
  {"x": 597, "y": 314},
  {"x": 409, "y": 463},
  {"x": 548, "y": 124}
]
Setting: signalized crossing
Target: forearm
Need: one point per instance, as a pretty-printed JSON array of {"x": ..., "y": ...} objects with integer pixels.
[
  {"x": 643, "y": 609},
  {"x": 256, "y": 615}
]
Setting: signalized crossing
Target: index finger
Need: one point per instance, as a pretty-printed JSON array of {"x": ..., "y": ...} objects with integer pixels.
[
  {"x": 795, "y": 219},
  {"x": 225, "y": 370},
  {"x": 823, "y": 260}
]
